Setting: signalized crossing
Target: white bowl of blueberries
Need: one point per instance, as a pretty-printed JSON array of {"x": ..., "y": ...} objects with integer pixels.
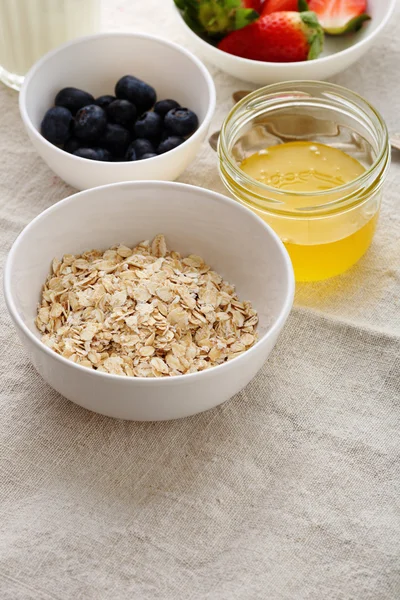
[{"x": 117, "y": 107}]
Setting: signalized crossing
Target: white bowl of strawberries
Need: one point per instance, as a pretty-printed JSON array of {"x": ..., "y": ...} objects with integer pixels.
[{"x": 268, "y": 41}]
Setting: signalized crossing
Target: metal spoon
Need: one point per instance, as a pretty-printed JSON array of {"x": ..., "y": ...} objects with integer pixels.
[
  {"x": 236, "y": 97},
  {"x": 395, "y": 141},
  {"x": 240, "y": 94}
]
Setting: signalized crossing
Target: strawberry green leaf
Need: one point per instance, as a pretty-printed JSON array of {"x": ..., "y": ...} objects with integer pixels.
[
  {"x": 187, "y": 4},
  {"x": 244, "y": 16},
  {"x": 315, "y": 34},
  {"x": 310, "y": 18},
  {"x": 192, "y": 23},
  {"x": 230, "y": 4},
  {"x": 302, "y": 6},
  {"x": 189, "y": 9},
  {"x": 316, "y": 47},
  {"x": 215, "y": 18}
]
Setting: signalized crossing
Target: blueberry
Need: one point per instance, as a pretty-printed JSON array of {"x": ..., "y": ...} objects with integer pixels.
[
  {"x": 130, "y": 153},
  {"x": 143, "y": 146},
  {"x": 163, "y": 106},
  {"x": 147, "y": 155},
  {"x": 165, "y": 134},
  {"x": 73, "y": 99},
  {"x": 122, "y": 112},
  {"x": 141, "y": 94},
  {"x": 169, "y": 144},
  {"x": 90, "y": 122},
  {"x": 103, "y": 154},
  {"x": 89, "y": 153},
  {"x": 104, "y": 101},
  {"x": 116, "y": 139},
  {"x": 149, "y": 125},
  {"x": 181, "y": 121},
  {"x": 72, "y": 144},
  {"x": 56, "y": 125}
]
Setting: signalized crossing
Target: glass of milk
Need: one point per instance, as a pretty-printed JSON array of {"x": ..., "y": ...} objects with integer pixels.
[{"x": 30, "y": 28}]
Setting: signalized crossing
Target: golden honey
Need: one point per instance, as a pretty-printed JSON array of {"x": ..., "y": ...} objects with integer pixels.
[{"x": 312, "y": 167}]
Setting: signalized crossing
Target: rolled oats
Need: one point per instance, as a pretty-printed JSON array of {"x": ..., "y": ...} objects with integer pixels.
[{"x": 143, "y": 312}]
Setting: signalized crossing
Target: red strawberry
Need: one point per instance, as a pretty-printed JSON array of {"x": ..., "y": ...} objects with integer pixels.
[
  {"x": 271, "y": 6},
  {"x": 340, "y": 16},
  {"x": 256, "y": 5},
  {"x": 279, "y": 37}
]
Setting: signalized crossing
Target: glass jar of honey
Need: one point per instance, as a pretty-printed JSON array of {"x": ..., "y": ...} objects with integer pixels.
[{"x": 310, "y": 158}]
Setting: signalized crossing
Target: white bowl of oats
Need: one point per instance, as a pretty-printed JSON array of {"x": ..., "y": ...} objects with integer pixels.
[{"x": 173, "y": 313}]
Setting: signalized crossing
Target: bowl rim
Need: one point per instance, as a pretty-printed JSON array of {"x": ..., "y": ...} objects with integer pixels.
[
  {"x": 116, "y": 34},
  {"x": 217, "y": 197},
  {"x": 288, "y": 65}
]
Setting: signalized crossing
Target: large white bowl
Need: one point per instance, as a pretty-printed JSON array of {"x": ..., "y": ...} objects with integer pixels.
[
  {"x": 339, "y": 52},
  {"x": 95, "y": 63},
  {"x": 234, "y": 241}
]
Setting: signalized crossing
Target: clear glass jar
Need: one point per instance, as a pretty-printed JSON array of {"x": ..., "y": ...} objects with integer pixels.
[
  {"x": 30, "y": 28},
  {"x": 325, "y": 232}
]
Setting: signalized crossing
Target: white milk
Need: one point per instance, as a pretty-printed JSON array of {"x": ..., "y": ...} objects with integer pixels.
[{"x": 30, "y": 28}]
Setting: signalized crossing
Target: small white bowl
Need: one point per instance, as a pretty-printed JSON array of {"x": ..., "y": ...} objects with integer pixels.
[
  {"x": 234, "y": 241},
  {"x": 95, "y": 63},
  {"x": 339, "y": 52}
]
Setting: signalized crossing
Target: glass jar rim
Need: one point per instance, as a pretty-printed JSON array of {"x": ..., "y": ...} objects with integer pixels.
[{"x": 356, "y": 100}]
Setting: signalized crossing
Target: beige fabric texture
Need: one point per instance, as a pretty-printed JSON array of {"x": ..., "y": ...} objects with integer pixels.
[{"x": 290, "y": 491}]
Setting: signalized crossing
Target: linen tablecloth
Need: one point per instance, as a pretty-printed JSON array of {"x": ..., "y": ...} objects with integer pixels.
[{"x": 288, "y": 491}]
